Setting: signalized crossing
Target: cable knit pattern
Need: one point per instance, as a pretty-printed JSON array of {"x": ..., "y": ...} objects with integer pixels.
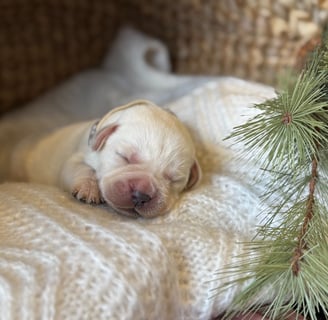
[{"x": 61, "y": 259}]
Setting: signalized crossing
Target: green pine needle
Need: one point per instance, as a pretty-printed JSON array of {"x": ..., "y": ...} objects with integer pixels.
[
  {"x": 269, "y": 273},
  {"x": 290, "y": 126},
  {"x": 287, "y": 262}
]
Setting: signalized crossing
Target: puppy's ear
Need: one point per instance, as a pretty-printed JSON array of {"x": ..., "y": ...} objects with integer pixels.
[
  {"x": 194, "y": 175},
  {"x": 97, "y": 139},
  {"x": 92, "y": 133}
]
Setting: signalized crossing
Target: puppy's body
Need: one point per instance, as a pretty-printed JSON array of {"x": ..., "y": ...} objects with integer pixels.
[
  {"x": 138, "y": 158},
  {"x": 49, "y": 155}
]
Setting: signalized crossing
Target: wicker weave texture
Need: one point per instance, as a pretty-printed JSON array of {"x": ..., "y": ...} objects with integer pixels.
[
  {"x": 253, "y": 39},
  {"x": 44, "y": 41}
]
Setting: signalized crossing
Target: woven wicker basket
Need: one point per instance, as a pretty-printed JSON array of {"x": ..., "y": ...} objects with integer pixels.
[
  {"x": 44, "y": 41},
  {"x": 253, "y": 39}
]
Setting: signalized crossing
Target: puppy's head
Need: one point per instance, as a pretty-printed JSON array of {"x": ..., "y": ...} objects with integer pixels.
[{"x": 144, "y": 158}]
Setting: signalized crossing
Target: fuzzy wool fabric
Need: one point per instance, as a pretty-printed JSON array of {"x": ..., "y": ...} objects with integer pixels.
[{"x": 62, "y": 259}]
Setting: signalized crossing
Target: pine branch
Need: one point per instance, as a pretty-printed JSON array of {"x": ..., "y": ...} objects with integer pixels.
[
  {"x": 289, "y": 257},
  {"x": 302, "y": 244}
]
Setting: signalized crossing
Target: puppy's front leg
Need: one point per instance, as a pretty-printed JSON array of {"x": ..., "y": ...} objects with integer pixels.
[{"x": 80, "y": 179}]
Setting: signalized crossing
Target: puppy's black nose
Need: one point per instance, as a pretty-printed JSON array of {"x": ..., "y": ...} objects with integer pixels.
[{"x": 139, "y": 198}]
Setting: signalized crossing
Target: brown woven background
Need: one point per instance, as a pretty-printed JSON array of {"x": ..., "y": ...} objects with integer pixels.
[
  {"x": 42, "y": 42},
  {"x": 252, "y": 39}
]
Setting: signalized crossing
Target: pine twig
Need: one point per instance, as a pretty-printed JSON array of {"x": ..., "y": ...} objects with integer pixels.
[
  {"x": 289, "y": 136},
  {"x": 301, "y": 244}
]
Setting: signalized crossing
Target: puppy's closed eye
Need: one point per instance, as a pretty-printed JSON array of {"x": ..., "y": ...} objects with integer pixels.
[
  {"x": 174, "y": 179},
  {"x": 123, "y": 156},
  {"x": 129, "y": 157}
]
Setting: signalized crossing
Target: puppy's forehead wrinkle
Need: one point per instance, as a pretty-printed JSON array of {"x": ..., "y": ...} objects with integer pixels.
[
  {"x": 156, "y": 133},
  {"x": 165, "y": 148},
  {"x": 144, "y": 112}
]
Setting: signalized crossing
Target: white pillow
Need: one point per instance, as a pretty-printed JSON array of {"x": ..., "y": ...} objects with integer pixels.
[{"x": 61, "y": 259}]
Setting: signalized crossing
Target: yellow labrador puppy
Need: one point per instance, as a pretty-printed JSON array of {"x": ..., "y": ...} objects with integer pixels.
[{"x": 138, "y": 159}]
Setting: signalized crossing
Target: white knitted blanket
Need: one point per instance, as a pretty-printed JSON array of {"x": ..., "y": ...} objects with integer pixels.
[{"x": 60, "y": 259}]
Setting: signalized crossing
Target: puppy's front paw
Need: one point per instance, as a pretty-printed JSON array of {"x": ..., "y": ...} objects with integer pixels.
[{"x": 88, "y": 191}]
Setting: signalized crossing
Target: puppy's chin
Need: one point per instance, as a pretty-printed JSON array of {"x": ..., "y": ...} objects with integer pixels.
[
  {"x": 132, "y": 213},
  {"x": 135, "y": 213}
]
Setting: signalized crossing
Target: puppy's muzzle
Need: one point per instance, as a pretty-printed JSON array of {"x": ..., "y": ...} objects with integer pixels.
[{"x": 134, "y": 194}]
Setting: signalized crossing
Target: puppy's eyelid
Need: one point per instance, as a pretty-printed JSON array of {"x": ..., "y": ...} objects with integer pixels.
[
  {"x": 172, "y": 178},
  {"x": 177, "y": 180},
  {"x": 122, "y": 156}
]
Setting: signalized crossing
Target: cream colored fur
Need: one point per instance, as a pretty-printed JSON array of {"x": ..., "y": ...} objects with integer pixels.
[{"x": 138, "y": 158}]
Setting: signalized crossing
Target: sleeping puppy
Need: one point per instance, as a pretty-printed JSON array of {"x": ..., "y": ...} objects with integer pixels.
[{"x": 138, "y": 159}]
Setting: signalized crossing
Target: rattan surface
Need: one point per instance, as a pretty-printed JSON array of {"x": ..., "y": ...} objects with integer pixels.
[{"x": 42, "y": 42}]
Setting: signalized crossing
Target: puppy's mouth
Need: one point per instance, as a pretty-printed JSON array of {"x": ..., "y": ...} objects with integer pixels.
[{"x": 129, "y": 212}]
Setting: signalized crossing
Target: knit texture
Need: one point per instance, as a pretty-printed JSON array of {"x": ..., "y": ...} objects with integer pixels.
[{"x": 61, "y": 259}]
